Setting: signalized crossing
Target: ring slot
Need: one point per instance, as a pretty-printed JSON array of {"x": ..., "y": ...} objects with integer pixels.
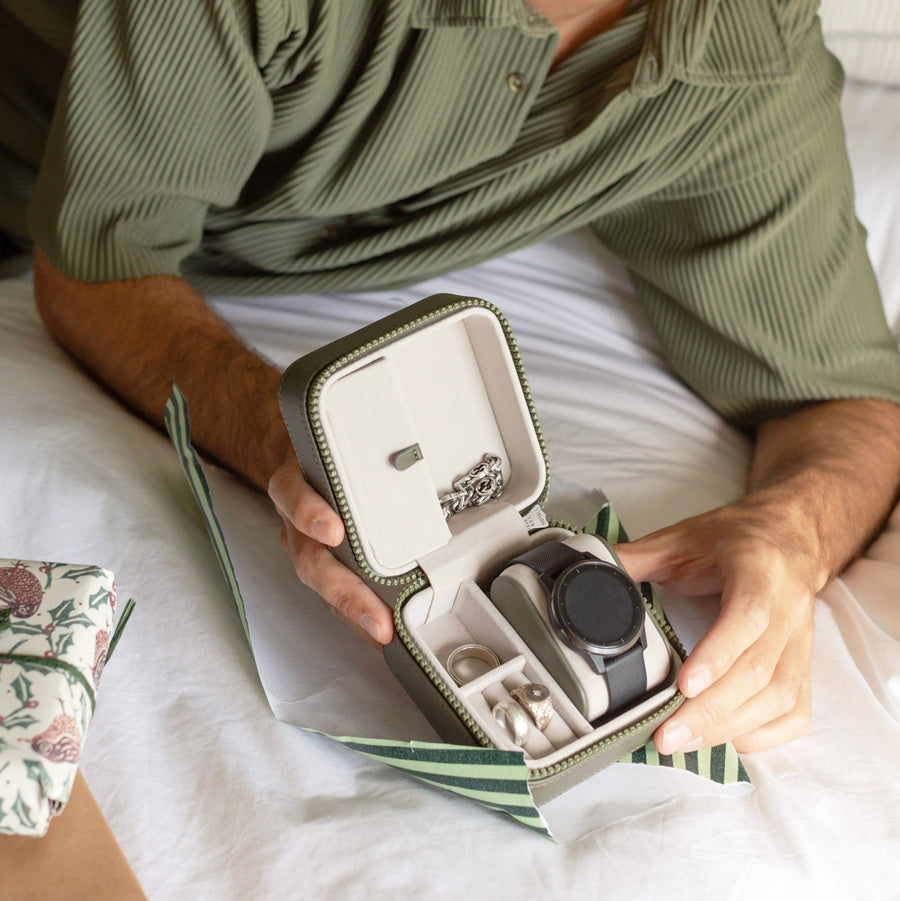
[{"x": 468, "y": 662}]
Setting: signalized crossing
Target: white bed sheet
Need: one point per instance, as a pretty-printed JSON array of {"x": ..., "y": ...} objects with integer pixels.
[{"x": 211, "y": 797}]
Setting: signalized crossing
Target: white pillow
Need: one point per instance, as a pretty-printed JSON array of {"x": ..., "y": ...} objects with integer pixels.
[{"x": 865, "y": 36}]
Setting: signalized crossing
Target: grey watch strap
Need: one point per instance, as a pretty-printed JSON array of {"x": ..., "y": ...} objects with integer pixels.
[
  {"x": 626, "y": 677},
  {"x": 550, "y": 558}
]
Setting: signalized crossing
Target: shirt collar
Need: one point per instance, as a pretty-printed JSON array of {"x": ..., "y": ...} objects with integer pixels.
[
  {"x": 711, "y": 42},
  {"x": 704, "y": 42}
]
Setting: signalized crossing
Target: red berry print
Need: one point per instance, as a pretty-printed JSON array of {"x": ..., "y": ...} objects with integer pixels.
[
  {"x": 20, "y": 590},
  {"x": 101, "y": 646},
  {"x": 60, "y": 741}
]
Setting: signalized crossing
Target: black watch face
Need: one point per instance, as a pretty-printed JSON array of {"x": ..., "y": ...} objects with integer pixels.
[{"x": 599, "y": 606}]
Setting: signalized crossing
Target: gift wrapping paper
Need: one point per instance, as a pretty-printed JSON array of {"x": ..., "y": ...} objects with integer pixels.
[
  {"x": 55, "y": 627},
  {"x": 492, "y": 777}
]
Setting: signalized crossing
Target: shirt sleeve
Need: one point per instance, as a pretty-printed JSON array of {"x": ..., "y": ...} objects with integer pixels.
[
  {"x": 162, "y": 113},
  {"x": 753, "y": 266}
]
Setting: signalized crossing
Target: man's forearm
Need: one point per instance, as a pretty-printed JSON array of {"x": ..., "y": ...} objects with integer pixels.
[
  {"x": 137, "y": 336},
  {"x": 831, "y": 473}
]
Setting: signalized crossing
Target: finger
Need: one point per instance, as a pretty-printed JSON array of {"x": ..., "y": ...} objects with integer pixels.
[
  {"x": 780, "y": 730},
  {"x": 761, "y": 732},
  {"x": 753, "y": 582},
  {"x": 778, "y": 711},
  {"x": 347, "y": 596},
  {"x": 676, "y": 557},
  {"x": 783, "y": 710},
  {"x": 302, "y": 506},
  {"x": 648, "y": 559}
]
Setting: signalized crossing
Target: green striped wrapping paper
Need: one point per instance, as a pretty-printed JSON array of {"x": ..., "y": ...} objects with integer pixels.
[{"x": 493, "y": 778}]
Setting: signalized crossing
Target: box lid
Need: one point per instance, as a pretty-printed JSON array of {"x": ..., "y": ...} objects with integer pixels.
[{"x": 387, "y": 419}]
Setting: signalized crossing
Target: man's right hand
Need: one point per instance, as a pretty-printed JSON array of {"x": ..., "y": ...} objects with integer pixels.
[{"x": 310, "y": 528}]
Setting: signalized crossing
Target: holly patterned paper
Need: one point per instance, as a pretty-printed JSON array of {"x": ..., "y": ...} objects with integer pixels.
[{"x": 55, "y": 626}]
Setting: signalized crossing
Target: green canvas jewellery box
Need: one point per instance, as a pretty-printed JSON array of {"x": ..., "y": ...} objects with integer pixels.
[{"x": 510, "y": 631}]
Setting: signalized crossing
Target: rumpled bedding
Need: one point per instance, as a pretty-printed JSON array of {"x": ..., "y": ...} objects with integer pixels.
[{"x": 211, "y": 796}]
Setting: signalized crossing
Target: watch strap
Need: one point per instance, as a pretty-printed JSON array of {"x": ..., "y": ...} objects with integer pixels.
[
  {"x": 626, "y": 677},
  {"x": 550, "y": 558}
]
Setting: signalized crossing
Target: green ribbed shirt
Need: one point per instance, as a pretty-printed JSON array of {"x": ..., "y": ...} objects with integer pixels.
[{"x": 292, "y": 145}]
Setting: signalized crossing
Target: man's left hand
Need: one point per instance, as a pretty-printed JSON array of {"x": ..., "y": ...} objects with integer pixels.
[
  {"x": 822, "y": 482},
  {"x": 748, "y": 679}
]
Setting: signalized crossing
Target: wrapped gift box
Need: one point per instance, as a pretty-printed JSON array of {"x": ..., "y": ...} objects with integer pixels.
[{"x": 55, "y": 628}]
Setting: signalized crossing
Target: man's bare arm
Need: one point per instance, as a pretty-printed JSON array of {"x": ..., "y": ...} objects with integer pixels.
[
  {"x": 139, "y": 335},
  {"x": 821, "y": 485}
]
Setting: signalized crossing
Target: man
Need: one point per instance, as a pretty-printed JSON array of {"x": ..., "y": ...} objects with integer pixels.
[{"x": 286, "y": 146}]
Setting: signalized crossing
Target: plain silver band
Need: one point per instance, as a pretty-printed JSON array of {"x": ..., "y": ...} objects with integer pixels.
[
  {"x": 470, "y": 652},
  {"x": 514, "y": 718}
]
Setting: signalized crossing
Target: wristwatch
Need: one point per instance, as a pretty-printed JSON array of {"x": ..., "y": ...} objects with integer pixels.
[{"x": 597, "y": 610}]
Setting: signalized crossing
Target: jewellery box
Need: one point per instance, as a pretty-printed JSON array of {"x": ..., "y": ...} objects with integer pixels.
[{"x": 421, "y": 431}]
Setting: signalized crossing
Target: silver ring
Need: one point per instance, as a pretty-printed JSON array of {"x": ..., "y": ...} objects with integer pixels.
[
  {"x": 535, "y": 698},
  {"x": 512, "y": 717},
  {"x": 483, "y": 482},
  {"x": 469, "y": 661}
]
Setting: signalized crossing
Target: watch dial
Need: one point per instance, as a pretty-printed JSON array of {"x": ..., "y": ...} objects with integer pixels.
[{"x": 600, "y": 604}]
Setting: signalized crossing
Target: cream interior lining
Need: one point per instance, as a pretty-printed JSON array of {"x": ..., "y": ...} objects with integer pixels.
[
  {"x": 453, "y": 390},
  {"x": 440, "y": 627}
]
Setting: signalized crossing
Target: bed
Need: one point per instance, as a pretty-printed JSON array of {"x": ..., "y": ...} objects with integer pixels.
[{"x": 211, "y": 796}]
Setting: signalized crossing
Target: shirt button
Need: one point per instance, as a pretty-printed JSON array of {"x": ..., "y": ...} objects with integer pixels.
[{"x": 515, "y": 81}]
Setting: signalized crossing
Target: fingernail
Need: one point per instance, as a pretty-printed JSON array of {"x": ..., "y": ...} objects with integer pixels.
[
  {"x": 371, "y": 626},
  {"x": 699, "y": 680},
  {"x": 322, "y": 532},
  {"x": 675, "y": 738}
]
